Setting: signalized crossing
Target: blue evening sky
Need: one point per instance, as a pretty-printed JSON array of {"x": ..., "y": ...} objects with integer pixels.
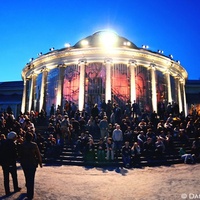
[{"x": 28, "y": 27}]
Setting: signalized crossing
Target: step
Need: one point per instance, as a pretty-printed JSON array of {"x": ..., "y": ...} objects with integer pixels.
[{"x": 68, "y": 156}]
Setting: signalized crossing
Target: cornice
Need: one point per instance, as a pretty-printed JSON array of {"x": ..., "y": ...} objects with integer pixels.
[{"x": 123, "y": 55}]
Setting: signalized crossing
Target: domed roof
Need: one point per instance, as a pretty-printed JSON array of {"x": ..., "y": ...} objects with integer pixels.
[{"x": 104, "y": 39}]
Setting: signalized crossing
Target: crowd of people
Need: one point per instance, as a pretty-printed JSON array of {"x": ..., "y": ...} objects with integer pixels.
[
  {"x": 17, "y": 143},
  {"x": 107, "y": 132}
]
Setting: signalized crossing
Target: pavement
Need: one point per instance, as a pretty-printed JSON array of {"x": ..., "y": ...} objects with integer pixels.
[{"x": 173, "y": 182}]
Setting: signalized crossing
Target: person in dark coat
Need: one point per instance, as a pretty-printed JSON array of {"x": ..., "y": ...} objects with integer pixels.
[
  {"x": 95, "y": 111},
  {"x": 30, "y": 158},
  {"x": 8, "y": 157},
  {"x": 126, "y": 154}
]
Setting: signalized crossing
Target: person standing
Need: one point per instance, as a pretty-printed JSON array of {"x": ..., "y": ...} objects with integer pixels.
[
  {"x": 117, "y": 137},
  {"x": 8, "y": 157},
  {"x": 103, "y": 125},
  {"x": 109, "y": 149},
  {"x": 52, "y": 111},
  {"x": 30, "y": 158},
  {"x": 126, "y": 154}
]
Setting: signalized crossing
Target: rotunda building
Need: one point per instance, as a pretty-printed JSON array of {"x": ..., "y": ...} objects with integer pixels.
[{"x": 103, "y": 67}]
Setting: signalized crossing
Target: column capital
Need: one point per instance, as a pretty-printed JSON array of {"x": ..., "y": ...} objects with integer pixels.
[
  {"x": 28, "y": 78},
  {"x": 177, "y": 77},
  {"x": 44, "y": 69},
  {"x": 82, "y": 61},
  {"x": 182, "y": 81},
  {"x": 33, "y": 74},
  {"x": 167, "y": 71},
  {"x": 61, "y": 65},
  {"x": 153, "y": 65},
  {"x": 132, "y": 62},
  {"x": 108, "y": 60}
]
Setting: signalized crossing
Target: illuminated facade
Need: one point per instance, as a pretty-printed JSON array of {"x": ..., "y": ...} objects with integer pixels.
[{"x": 103, "y": 66}]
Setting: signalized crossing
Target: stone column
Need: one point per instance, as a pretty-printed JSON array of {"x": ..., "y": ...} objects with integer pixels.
[
  {"x": 153, "y": 88},
  {"x": 59, "y": 97},
  {"x": 179, "y": 97},
  {"x": 132, "y": 65},
  {"x": 81, "y": 100},
  {"x": 184, "y": 98},
  {"x": 108, "y": 92},
  {"x": 32, "y": 87},
  {"x": 43, "y": 89},
  {"x": 23, "y": 106},
  {"x": 169, "y": 91}
]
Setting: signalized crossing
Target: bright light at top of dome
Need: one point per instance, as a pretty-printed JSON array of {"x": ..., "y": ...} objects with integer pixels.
[{"x": 108, "y": 39}]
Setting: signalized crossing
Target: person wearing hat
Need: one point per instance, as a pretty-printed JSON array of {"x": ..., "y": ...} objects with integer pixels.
[{"x": 8, "y": 152}]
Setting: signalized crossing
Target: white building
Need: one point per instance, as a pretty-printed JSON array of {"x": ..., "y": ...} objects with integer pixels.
[{"x": 103, "y": 66}]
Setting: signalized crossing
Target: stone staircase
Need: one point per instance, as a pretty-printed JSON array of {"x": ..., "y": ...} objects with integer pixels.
[{"x": 68, "y": 156}]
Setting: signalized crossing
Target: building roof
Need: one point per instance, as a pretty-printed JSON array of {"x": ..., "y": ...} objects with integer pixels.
[
  {"x": 193, "y": 82},
  {"x": 11, "y": 84},
  {"x": 101, "y": 38},
  {"x": 193, "y": 98},
  {"x": 12, "y": 87},
  {"x": 10, "y": 99}
]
